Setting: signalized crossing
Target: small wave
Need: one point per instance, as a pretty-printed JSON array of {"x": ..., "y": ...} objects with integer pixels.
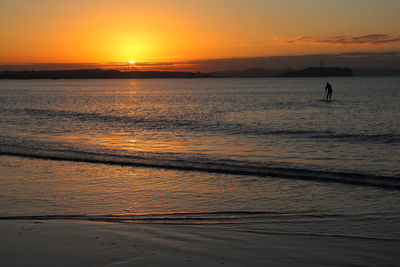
[
  {"x": 192, "y": 216},
  {"x": 387, "y": 138},
  {"x": 87, "y": 117},
  {"x": 195, "y": 126},
  {"x": 246, "y": 220},
  {"x": 162, "y": 216},
  {"x": 322, "y": 235},
  {"x": 162, "y": 123},
  {"x": 374, "y": 138},
  {"x": 231, "y": 167}
]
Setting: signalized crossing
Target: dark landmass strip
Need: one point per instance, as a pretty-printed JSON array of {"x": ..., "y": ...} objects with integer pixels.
[
  {"x": 98, "y": 74},
  {"x": 376, "y": 72},
  {"x": 319, "y": 72},
  {"x": 247, "y": 73},
  {"x": 250, "y": 73}
]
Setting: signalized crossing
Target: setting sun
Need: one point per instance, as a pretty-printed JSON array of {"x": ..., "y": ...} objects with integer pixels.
[{"x": 132, "y": 62}]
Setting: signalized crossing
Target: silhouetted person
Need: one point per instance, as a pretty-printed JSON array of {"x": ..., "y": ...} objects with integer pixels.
[{"x": 328, "y": 91}]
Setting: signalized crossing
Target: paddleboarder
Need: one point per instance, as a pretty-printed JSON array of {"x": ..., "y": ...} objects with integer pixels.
[{"x": 328, "y": 91}]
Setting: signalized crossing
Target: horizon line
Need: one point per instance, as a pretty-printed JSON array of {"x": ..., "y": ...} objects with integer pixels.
[
  {"x": 383, "y": 59},
  {"x": 355, "y": 53}
]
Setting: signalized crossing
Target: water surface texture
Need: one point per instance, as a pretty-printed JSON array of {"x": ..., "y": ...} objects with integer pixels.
[
  {"x": 249, "y": 126},
  {"x": 252, "y": 154}
]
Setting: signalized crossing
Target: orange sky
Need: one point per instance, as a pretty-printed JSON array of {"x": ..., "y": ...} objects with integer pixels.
[{"x": 99, "y": 31}]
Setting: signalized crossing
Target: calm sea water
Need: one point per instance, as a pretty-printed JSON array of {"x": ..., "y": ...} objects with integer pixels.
[{"x": 211, "y": 150}]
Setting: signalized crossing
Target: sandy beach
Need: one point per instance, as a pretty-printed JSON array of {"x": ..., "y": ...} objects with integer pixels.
[{"x": 86, "y": 243}]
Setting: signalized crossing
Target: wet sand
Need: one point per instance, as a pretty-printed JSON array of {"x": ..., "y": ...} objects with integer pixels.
[{"x": 87, "y": 243}]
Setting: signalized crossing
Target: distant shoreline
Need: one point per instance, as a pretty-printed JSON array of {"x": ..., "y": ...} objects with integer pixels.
[{"x": 248, "y": 73}]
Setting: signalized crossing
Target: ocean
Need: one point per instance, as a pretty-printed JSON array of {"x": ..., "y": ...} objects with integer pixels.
[{"x": 265, "y": 154}]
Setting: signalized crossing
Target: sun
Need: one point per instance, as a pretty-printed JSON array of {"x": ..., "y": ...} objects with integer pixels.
[{"x": 132, "y": 61}]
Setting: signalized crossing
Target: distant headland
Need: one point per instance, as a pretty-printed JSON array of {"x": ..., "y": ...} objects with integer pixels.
[
  {"x": 248, "y": 73},
  {"x": 98, "y": 74},
  {"x": 319, "y": 72}
]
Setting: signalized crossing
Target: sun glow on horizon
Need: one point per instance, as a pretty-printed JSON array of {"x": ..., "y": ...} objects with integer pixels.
[{"x": 181, "y": 31}]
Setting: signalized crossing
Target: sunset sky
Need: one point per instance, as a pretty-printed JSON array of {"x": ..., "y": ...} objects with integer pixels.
[{"x": 181, "y": 32}]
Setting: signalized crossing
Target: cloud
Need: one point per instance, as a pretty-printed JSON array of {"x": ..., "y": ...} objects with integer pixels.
[{"x": 344, "y": 40}]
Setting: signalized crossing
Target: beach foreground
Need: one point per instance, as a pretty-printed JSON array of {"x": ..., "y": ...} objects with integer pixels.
[{"x": 87, "y": 243}]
